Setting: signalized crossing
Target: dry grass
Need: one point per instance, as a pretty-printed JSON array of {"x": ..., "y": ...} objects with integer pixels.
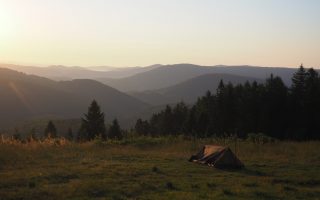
[
  {"x": 145, "y": 168},
  {"x": 33, "y": 143}
]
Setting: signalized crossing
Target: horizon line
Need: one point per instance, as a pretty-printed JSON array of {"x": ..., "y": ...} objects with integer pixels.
[{"x": 168, "y": 64}]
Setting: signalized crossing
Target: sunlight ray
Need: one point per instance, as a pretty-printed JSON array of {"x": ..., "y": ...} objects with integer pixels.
[{"x": 20, "y": 96}]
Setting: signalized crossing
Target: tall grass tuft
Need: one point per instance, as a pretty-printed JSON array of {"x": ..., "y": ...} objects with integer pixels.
[{"x": 31, "y": 142}]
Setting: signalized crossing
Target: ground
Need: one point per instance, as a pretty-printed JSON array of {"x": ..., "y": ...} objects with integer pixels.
[{"x": 157, "y": 169}]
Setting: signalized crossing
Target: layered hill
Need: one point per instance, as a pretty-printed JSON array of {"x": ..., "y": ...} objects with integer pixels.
[
  {"x": 160, "y": 77},
  {"x": 59, "y": 72},
  {"x": 169, "y": 75},
  {"x": 138, "y": 79},
  {"x": 188, "y": 91},
  {"x": 27, "y": 96}
]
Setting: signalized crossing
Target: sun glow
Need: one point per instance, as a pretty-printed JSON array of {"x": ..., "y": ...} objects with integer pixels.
[
  {"x": 20, "y": 95},
  {"x": 140, "y": 33},
  {"x": 6, "y": 25}
]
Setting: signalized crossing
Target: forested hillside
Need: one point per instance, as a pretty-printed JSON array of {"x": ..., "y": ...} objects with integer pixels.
[
  {"x": 271, "y": 108},
  {"x": 188, "y": 91}
]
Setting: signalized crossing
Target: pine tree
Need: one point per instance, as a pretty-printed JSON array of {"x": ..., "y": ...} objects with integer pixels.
[
  {"x": 220, "y": 88},
  {"x": 275, "y": 120},
  {"x": 298, "y": 104},
  {"x": 114, "y": 130},
  {"x": 167, "y": 121},
  {"x": 93, "y": 123},
  {"x": 189, "y": 127},
  {"x": 180, "y": 113},
  {"x": 50, "y": 130},
  {"x": 312, "y": 104},
  {"x": 142, "y": 127},
  {"x": 299, "y": 82}
]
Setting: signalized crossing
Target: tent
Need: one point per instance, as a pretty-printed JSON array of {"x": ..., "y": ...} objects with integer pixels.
[{"x": 217, "y": 156}]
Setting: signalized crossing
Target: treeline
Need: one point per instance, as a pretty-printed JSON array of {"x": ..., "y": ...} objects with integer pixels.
[
  {"x": 92, "y": 127},
  {"x": 270, "y": 108}
]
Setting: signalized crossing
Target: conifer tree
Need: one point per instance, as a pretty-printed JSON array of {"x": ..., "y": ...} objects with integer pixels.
[
  {"x": 167, "y": 121},
  {"x": 142, "y": 127},
  {"x": 220, "y": 88},
  {"x": 312, "y": 102},
  {"x": 298, "y": 103},
  {"x": 180, "y": 114},
  {"x": 274, "y": 119},
  {"x": 50, "y": 130},
  {"x": 93, "y": 123},
  {"x": 114, "y": 130},
  {"x": 299, "y": 82}
]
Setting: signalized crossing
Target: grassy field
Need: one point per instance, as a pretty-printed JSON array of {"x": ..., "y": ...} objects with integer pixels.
[{"x": 157, "y": 169}]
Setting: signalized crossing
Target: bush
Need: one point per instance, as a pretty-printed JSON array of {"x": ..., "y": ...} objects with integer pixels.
[{"x": 170, "y": 186}]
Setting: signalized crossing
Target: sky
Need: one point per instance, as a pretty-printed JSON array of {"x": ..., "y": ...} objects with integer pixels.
[{"x": 123, "y": 33}]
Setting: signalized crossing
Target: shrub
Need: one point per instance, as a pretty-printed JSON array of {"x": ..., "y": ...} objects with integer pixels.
[
  {"x": 170, "y": 186},
  {"x": 155, "y": 169}
]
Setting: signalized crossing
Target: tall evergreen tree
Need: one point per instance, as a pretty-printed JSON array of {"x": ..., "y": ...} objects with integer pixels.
[
  {"x": 298, "y": 104},
  {"x": 299, "y": 83},
  {"x": 274, "y": 118},
  {"x": 179, "y": 115},
  {"x": 189, "y": 127},
  {"x": 312, "y": 104},
  {"x": 50, "y": 130},
  {"x": 142, "y": 127},
  {"x": 93, "y": 123},
  {"x": 200, "y": 115},
  {"x": 114, "y": 130}
]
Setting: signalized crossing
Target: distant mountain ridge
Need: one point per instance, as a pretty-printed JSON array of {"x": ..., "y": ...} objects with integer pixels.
[
  {"x": 161, "y": 77},
  {"x": 143, "y": 90},
  {"x": 122, "y": 69},
  {"x": 169, "y": 75},
  {"x": 138, "y": 79},
  {"x": 59, "y": 72},
  {"x": 188, "y": 91},
  {"x": 28, "y": 96}
]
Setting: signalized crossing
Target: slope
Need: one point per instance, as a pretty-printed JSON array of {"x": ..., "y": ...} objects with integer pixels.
[
  {"x": 169, "y": 75},
  {"x": 26, "y": 96},
  {"x": 157, "y": 78},
  {"x": 58, "y": 72},
  {"x": 188, "y": 91}
]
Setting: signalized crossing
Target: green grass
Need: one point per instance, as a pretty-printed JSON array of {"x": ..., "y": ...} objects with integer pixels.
[{"x": 157, "y": 169}]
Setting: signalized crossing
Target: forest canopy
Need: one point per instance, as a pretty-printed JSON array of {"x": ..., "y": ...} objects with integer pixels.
[{"x": 270, "y": 108}]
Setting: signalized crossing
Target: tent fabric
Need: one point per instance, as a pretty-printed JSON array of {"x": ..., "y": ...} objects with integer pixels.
[{"x": 217, "y": 156}]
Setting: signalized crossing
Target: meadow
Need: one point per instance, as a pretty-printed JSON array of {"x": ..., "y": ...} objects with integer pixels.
[{"x": 157, "y": 168}]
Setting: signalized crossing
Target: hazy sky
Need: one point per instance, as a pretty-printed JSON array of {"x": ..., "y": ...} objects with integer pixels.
[{"x": 145, "y": 32}]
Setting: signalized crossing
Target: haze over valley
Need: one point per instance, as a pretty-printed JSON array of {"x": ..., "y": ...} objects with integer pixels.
[{"x": 59, "y": 92}]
